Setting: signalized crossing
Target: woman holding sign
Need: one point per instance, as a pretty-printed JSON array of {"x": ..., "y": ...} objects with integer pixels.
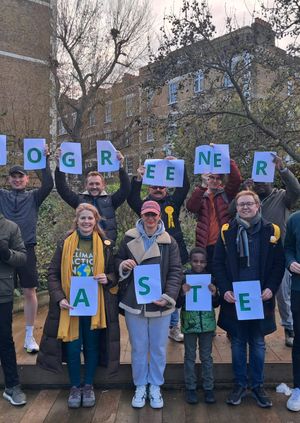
[
  {"x": 84, "y": 257},
  {"x": 149, "y": 265},
  {"x": 248, "y": 257}
]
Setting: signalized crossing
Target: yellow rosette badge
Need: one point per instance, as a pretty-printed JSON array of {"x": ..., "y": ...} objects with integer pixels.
[{"x": 170, "y": 210}]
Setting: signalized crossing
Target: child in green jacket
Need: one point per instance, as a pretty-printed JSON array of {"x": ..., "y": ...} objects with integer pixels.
[{"x": 198, "y": 325}]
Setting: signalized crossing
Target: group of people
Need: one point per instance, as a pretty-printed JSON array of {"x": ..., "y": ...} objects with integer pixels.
[{"x": 239, "y": 234}]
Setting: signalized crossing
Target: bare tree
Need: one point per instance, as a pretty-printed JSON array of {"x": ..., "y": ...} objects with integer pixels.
[
  {"x": 231, "y": 105},
  {"x": 96, "y": 42}
]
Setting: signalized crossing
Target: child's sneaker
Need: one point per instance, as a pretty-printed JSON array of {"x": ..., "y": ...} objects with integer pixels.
[
  {"x": 156, "y": 400},
  {"x": 139, "y": 398},
  {"x": 191, "y": 396},
  {"x": 15, "y": 395}
]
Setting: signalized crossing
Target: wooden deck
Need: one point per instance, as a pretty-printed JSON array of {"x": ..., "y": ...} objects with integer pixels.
[
  {"x": 277, "y": 368},
  {"x": 114, "y": 406},
  {"x": 276, "y": 351}
]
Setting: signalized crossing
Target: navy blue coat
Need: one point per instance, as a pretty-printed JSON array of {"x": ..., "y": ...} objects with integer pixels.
[{"x": 226, "y": 271}]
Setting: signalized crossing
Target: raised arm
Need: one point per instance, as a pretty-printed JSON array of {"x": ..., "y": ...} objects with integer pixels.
[
  {"x": 46, "y": 186},
  {"x": 234, "y": 181},
  {"x": 69, "y": 196}
]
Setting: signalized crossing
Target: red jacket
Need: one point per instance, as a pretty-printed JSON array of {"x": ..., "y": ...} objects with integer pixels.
[{"x": 199, "y": 203}]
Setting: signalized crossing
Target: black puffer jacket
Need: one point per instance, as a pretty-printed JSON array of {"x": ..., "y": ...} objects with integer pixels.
[{"x": 51, "y": 354}]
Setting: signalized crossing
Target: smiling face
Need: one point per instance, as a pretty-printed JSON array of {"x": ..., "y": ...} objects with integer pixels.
[
  {"x": 157, "y": 192},
  {"x": 247, "y": 207},
  {"x": 86, "y": 222},
  {"x": 150, "y": 221},
  {"x": 95, "y": 185},
  {"x": 214, "y": 182},
  {"x": 18, "y": 181}
]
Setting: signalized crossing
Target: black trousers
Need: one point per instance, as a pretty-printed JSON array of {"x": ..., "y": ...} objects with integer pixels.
[
  {"x": 7, "y": 346},
  {"x": 295, "y": 307}
]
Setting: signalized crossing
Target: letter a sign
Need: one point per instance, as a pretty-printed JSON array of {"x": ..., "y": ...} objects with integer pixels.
[
  {"x": 147, "y": 283},
  {"x": 83, "y": 296}
]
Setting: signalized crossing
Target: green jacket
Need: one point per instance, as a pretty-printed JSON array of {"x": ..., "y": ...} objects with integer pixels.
[
  {"x": 196, "y": 321},
  {"x": 10, "y": 232}
]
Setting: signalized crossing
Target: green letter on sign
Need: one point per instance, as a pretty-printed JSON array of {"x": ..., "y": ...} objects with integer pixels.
[
  {"x": 244, "y": 301},
  {"x": 217, "y": 160},
  {"x": 194, "y": 288},
  {"x": 105, "y": 155},
  {"x": 206, "y": 159},
  {"x": 150, "y": 171},
  {"x": 261, "y": 166},
  {"x": 81, "y": 297},
  {"x": 144, "y": 285},
  {"x": 67, "y": 160},
  {"x": 38, "y": 155},
  {"x": 170, "y": 173}
]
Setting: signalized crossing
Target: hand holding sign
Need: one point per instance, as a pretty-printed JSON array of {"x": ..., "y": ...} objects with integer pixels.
[{"x": 65, "y": 305}]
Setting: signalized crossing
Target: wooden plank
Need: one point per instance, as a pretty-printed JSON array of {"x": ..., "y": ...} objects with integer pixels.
[
  {"x": 126, "y": 413},
  {"x": 40, "y": 407},
  {"x": 14, "y": 414},
  {"x": 60, "y": 413},
  {"x": 107, "y": 407},
  {"x": 150, "y": 415},
  {"x": 174, "y": 408}
]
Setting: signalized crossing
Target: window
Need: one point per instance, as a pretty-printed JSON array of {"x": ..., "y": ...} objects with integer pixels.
[
  {"x": 129, "y": 103},
  {"x": 108, "y": 112},
  {"x": 74, "y": 117},
  {"x": 92, "y": 118},
  {"x": 127, "y": 137},
  {"x": 150, "y": 134},
  {"x": 199, "y": 82},
  {"x": 129, "y": 165},
  {"x": 60, "y": 127},
  {"x": 107, "y": 135},
  {"x": 227, "y": 83},
  {"x": 172, "y": 92}
]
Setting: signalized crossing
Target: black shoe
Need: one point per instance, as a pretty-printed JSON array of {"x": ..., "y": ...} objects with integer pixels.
[
  {"x": 261, "y": 397},
  {"x": 191, "y": 396},
  {"x": 236, "y": 395},
  {"x": 289, "y": 337},
  {"x": 209, "y": 396}
]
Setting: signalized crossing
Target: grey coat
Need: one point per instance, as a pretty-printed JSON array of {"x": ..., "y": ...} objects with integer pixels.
[{"x": 10, "y": 232}]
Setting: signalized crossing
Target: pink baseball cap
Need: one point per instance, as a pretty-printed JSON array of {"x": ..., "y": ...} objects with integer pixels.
[{"x": 150, "y": 207}]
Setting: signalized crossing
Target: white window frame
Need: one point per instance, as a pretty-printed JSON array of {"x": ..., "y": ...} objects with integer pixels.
[
  {"x": 129, "y": 104},
  {"x": 173, "y": 92},
  {"x": 129, "y": 166},
  {"x": 199, "y": 82},
  {"x": 108, "y": 112}
]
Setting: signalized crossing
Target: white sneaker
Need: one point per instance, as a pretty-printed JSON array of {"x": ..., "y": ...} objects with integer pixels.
[
  {"x": 156, "y": 400},
  {"x": 30, "y": 345},
  {"x": 140, "y": 395},
  {"x": 176, "y": 334},
  {"x": 293, "y": 403}
]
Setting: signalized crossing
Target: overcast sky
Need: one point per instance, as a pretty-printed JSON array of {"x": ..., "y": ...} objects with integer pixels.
[{"x": 243, "y": 10}]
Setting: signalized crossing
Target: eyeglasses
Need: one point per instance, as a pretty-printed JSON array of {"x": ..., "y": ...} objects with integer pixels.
[
  {"x": 248, "y": 204},
  {"x": 157, "y": 187}
]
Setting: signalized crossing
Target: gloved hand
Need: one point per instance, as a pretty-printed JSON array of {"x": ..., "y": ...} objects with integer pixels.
[{"x": 4, "y": 250}]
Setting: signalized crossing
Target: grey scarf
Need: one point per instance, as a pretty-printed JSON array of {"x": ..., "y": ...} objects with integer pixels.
[{"x": 244, "y": 228}]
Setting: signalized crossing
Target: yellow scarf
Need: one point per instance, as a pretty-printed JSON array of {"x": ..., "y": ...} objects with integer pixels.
[{"x": 68, "y": 329}]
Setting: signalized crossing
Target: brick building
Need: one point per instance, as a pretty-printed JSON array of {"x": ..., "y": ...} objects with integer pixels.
[
  {"x": 140, "y": 118},
  {"x": 26, "y": 92}
]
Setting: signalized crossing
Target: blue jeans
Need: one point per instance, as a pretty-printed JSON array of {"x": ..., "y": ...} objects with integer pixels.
[
  {"x": 205, "y": 349},
  {"x": 248, "y": 333},
  {"x": 174, "y": 318},
  {"x": 90, "y": 341},
  {"x": 148, "y": 338}
]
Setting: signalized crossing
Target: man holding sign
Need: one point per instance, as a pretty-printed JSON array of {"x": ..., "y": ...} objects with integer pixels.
[
  {"x": 209, "y": 202},
  {"x": 170, "y": 205},
  {"x": 21, "y": 206},
  {"x": 248, "y": 249},
  {"x": 148, "y": 259},
  {"x": 95, "y": 194}
]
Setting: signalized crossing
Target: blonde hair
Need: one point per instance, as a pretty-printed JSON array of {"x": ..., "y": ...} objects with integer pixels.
[
  {"x": 94, "y": 173},
  {"x": 86, "y": 206},
  {"x": 248, "y": 192}
]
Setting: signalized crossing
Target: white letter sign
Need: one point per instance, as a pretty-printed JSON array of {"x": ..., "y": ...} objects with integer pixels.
[
  {"x": 164, "y": 173},
  {"x": 263, "y": 166},
  {"x": 107, "y": 157},
  {"x": 248, "y": 304},
  {"x": 34, "y": 153},
  {"x": 83, "y": 296},
  {"x": 199, "y": 298},
  {"x": 212, "y": 159},
  {"x": 70, "y": 160},
  {"x": 147, "y": 283}
]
